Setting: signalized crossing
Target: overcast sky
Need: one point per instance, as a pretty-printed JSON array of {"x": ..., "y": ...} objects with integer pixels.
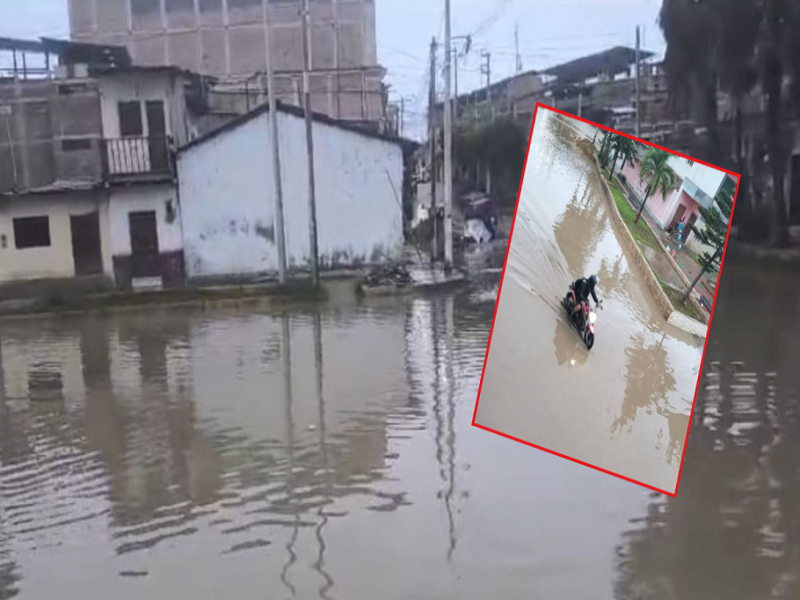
[{"x": 550, "y": 32}]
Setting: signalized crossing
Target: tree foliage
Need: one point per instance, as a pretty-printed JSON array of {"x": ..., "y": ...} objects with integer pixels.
[
  {"x": 740, "y": 47},
  {"x": 499, "y": 146},
  {"x": 655, "y": 169},
  {"x": 713, "y": 234}
]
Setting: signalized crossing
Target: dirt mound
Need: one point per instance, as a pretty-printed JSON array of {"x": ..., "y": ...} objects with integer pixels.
[{"x": 586, "y": 146}]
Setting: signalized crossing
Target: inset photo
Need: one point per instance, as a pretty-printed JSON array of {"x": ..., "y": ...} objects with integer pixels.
[{"x": 607, "y": 293}]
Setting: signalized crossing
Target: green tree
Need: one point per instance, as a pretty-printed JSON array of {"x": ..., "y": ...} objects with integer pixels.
[
  {"x": 604, "y": 153},
  {"x": 500, "y": 147},
  {"x": 654, "y": 166},
  {"x": 713, "y": 234},
  {"x": 733, "y": 45},
  {"x": 622, "y": 146}
]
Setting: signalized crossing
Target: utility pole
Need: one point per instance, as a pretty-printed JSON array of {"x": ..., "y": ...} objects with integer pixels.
[
  {"x": 312, "y": 199},
  {"x": 516, "y": 46},
  {"x": 432, "y": 140},
  {"x": 402, "y": 114},
  {"x": 486, "y": 69},
  {"x": 580, "y": 101},
  {"x": 276, "y": 157},
  {"x": 455, "y": 83},
  {"x": 638, "y": 103},
  {"x": 448, "y": 146}
]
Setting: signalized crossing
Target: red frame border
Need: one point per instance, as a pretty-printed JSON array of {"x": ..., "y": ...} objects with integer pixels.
[{"x": 737, "y": 176}]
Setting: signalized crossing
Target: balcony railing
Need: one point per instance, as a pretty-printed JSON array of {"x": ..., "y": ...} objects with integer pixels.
[{"x": 138, "y": 156}]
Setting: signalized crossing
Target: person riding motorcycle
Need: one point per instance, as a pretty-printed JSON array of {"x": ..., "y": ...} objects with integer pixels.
[{"x": 583, "y": 289}]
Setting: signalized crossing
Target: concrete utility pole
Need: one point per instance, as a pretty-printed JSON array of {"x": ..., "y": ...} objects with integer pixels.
[
  {"x": 432, "y": 140},
  {"x": 516, "y": 46},
  {"x": 455, "y": 84},
  {"x": 580, "y": 101},
  {"x": 638, "y": 119},
  {"x": 402, "y": 114},
  {"x": 312, "y": 196},
  {"x": 448, "y": 146},
  {"x": 486, "y": 69},
  {"x": 276, "y": 157}
]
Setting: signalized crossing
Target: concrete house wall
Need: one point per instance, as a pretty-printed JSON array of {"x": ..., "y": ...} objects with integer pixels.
[
  {"x": 227, "y": 197},
  {"x": 56, "y": 260}
]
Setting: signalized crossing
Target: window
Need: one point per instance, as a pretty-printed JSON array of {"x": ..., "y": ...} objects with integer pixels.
[
  {"x": 130, "y": 119},
  {"x": 73, "y": 145},
  {"x": 68, "y": 89},
  {"x": 32, "y": 232}
]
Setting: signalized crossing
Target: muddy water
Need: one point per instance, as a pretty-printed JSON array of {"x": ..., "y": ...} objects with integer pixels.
[
  {"x": 734, "y": 529},
  {"x": 625, "y": 405}
]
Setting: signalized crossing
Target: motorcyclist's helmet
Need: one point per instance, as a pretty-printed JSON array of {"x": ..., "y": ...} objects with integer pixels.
[{"x": 593, "y": 279}]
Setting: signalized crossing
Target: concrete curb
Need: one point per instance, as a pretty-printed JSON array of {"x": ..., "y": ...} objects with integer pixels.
[{"x": 645, "y": 269}]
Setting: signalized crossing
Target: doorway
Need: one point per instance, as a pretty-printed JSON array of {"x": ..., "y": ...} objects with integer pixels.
[
  {"x": 679, "y": 213},
  {"x": 145, "y": 261},
  {"x": 157, "y": 135},
  {"x": 86, "y": 244}
]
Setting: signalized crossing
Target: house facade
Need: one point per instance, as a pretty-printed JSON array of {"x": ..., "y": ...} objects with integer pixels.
[
  {"x": 87, "y": 178},
  {"x": 696, "y": 186},
  {"x": 226, "y": 188}
]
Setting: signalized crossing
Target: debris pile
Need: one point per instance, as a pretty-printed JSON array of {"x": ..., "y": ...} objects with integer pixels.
[{"x": 392, "y": 275}]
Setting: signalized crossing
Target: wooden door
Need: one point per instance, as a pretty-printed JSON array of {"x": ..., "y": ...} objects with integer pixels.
[
  {"x": 145, "y": 261},
  {"x": 86, "y": 244}
]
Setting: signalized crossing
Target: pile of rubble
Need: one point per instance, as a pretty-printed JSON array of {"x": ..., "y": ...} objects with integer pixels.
[{"x": 392, "y": 275}]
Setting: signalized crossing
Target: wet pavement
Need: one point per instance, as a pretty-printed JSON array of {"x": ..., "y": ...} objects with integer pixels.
[{"x": 625, "y": 405}]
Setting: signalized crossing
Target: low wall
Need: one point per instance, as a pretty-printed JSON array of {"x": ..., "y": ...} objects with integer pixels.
[{"x": 664, "y": 304}]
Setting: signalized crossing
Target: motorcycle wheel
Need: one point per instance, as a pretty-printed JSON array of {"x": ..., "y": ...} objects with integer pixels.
[
  {"x": 588, "y": 339},
  {"x": 569, "y": 303}
]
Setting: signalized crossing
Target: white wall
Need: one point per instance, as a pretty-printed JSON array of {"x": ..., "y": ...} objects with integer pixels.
[
  {"x": 125, "y": 200},
  {"x": 56, "y": 260},
  {"x": 227, "y": 196}
]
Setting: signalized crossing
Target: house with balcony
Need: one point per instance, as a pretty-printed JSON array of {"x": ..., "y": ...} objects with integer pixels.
[{"x": 88, "y": 192}]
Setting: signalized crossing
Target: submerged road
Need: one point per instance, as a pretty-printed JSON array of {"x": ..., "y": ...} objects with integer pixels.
[{"x": 625, "y": 405}]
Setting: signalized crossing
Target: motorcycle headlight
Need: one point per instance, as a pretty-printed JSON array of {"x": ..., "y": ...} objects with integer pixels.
[{"x": 592, "y": 317}]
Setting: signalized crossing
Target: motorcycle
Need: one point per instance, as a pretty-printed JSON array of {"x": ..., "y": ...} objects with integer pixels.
[{"x": 584, "y": 320}]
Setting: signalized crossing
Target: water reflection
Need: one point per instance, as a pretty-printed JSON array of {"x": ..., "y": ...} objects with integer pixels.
[
  {"x": 228, "y": 433},
  {"x": 734, "y": 529}
]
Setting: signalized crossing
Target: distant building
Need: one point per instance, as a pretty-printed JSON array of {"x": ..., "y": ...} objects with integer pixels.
[
  {"x": 225, "y": 39},
  {"x": 594, "y": 86}
]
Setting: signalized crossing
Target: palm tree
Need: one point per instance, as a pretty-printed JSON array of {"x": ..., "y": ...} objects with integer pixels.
[
  {"x": 624, "y": 147},
  {"x": 654, "y": 165}
]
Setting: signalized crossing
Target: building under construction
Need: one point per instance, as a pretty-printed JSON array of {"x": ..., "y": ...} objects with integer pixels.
[{"x": 226, "y": 39}]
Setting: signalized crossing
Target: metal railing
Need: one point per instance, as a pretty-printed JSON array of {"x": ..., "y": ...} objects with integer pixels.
[{"x": 130, "y": 156}]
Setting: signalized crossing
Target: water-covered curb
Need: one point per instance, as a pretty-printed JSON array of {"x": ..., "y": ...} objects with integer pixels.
[{"x": 645, "y": 269}]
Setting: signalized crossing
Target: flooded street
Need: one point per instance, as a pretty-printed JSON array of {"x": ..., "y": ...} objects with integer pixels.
[
  {"x": 327, "y": 452},
  {"x": 625, "y": 405}
]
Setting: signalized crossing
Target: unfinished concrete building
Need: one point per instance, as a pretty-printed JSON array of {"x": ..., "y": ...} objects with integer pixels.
[{"x": 226, "y": 39}]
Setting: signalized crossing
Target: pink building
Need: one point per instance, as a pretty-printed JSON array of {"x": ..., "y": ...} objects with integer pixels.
[{"x": 696, "y": 186}]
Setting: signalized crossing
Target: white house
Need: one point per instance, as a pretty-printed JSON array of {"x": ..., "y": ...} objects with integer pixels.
[{"x": 227, "y": 196}]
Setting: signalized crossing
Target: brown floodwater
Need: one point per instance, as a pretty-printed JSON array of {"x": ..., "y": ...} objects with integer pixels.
[
  {"x": 328, "y": 453},
  {"x": 623, "y": 406}
]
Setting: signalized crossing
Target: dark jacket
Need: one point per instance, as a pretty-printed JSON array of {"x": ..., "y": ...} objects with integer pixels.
[{"x": 583, "y": 288}]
